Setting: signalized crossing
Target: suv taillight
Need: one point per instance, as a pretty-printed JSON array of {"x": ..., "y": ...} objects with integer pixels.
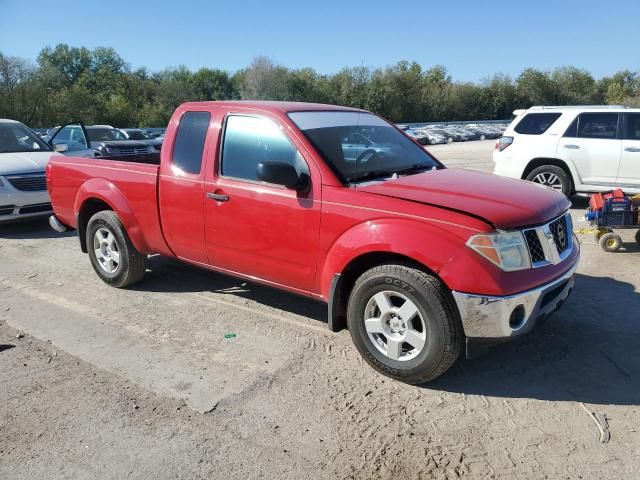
[{"x": 503, "y": 142}]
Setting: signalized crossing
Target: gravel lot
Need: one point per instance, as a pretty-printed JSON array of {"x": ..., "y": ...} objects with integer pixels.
[{"x": 143, "y": 384}]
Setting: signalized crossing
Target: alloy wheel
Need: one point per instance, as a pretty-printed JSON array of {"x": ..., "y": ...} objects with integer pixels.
[
  {"x": 548, "y": 179},
  {"x": 107, "y": 251},
  {"x": 395, "y": 326}
]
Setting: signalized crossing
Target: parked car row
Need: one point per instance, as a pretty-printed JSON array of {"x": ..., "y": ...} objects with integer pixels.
[
  {"x": 24, "y": 154},
  {"x": 437, "y": 134}
]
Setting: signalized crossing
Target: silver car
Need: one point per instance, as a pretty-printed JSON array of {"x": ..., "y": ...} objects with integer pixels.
[{"x": 23, "y": 159}]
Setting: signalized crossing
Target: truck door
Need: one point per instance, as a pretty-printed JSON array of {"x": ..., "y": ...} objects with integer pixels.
[
  {"x": 592, "y": 144},
  {"x": 629, "y": 171},
  {"x": 255, "y": 228},
  {"x": 181, "y": 184}
]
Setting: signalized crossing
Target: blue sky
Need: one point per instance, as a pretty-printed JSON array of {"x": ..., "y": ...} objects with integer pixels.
[{"x": 471, "y": 39}]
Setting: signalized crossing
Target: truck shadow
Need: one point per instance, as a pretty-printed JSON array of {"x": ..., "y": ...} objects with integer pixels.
[
  {"x": 31, "y": 229},
  {"x": 586, "y": 352},
  {"x": 168, "y": 275}
]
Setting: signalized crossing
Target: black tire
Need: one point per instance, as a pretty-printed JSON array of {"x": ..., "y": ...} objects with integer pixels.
[
  {"x": 443, "y": 328},
  {"x": 545, "y": 171},
  {"x": 638, "y": 237},
  {"x": 610, "y": 242},
  {"x": 131, "y": 267}
]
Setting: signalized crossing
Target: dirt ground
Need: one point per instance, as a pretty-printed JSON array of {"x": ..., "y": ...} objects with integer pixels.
[{"x": 100, "y": 383}]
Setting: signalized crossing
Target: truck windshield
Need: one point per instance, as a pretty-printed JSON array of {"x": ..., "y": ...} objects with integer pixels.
[
  {"x": 15, "y": 137},
  {"x": 105, "y": 134},
  {"x": 360, "y": 146}
]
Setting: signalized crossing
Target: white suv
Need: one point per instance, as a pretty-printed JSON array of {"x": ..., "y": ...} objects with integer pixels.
[{"x": 577, "y": 149}]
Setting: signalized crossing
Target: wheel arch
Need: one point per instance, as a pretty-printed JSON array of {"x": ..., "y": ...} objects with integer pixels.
[
  {"x": 423, "y": 244},
  {"x": 88, "y": 209},
  {"x": 342, "y": 283},
  {"x": 98, "y": 194},
  {"x": 542, "y": 161}
]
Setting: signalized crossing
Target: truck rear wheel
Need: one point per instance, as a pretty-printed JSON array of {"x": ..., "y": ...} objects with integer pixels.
[
  {"x": 112, "y": 255},
  {"x": 404, "y": 323}
]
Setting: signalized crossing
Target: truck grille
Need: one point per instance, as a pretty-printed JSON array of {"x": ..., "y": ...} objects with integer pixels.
[
  {"x": 560, "y": 235},
  {"x": 535, "y": 247},
  {"x": 550, "y": 243},
  {"x": 127, "y": 150},
  {"x": 28, "y": 182}
]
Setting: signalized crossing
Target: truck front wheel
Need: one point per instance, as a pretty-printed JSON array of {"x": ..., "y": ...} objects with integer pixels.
[
  {"x": 404, "y": 323},
  {"x": 112, "y": 255}
]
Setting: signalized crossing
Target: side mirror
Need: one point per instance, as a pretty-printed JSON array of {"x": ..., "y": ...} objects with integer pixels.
[
  {"x": 282, "y": 173},
  {"x": 61, "y": 147}
]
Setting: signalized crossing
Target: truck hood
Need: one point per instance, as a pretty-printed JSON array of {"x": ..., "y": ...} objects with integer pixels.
[
  {"x": 503, "y": 202},
  {"x": 24, "y": 162}
]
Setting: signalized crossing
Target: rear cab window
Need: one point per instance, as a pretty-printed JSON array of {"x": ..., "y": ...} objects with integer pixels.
[
  {"x": 536, "y": 123},
  {"x": 188, "y": 147}
]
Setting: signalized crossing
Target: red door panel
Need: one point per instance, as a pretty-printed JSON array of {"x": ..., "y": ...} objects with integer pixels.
[
  {"x": 181, "y": 183},
  {"x": 264, "y": 231}
]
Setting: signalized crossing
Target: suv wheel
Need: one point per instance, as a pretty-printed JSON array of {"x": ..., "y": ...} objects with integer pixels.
[
  {"x": 404, "y": 323},
  {"x": 112, "y": 255},
  {"x": 552, "y": 176}
]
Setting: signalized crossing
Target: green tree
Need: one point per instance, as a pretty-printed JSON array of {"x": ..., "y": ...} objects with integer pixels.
[
  {"x": 535, "y": 88},
  {"x": 264, "y": 80}
]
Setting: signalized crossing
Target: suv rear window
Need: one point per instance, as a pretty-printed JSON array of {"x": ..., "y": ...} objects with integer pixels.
[{"x": 536, "y": 123}]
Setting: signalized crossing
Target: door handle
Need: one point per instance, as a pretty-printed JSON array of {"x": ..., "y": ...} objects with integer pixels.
[
  {"x": 218, "y": 197},
  {"x": 632, "y": 149},
  {"x": 571, "y": 146}
]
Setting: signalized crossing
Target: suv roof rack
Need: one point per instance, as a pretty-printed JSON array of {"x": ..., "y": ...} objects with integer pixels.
[{"x": 581, "y": 107}]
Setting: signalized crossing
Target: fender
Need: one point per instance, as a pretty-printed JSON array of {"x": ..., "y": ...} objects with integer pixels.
[
  {"x": 103, "y": 190},
  {"x": 575, "y": 176},
  {"x": 428, "y": 243}
]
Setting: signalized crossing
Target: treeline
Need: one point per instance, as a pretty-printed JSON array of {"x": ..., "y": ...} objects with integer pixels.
[{"x": 98, "y": 86}]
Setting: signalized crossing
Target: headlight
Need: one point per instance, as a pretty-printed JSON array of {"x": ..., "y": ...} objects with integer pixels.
[{"x": 507, "y": 250}]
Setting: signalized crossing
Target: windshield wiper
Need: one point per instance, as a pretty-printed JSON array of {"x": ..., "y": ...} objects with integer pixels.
[
  {"x": 371, "y": 174},
  {"x": 417, "y": 167}
]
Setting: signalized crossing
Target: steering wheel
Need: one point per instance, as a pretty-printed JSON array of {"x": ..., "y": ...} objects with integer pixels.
[{"x": 367, "y": 154}]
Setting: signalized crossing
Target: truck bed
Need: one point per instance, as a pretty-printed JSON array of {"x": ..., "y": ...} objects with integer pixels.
[{"x": 78, "y": 179}]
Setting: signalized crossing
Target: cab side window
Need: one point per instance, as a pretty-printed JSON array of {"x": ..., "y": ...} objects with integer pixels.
[
  {"x": 248, "y": 141},
  {"x": 189, "y": 144}
]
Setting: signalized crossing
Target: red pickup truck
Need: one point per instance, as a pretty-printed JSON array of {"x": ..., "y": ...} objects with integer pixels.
[{"x": 416, "y": 260}]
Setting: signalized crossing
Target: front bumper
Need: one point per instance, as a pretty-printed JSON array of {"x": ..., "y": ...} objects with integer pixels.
[
  {"x": 501, "y": 318},
  {"x": 16, "y": 204}
]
